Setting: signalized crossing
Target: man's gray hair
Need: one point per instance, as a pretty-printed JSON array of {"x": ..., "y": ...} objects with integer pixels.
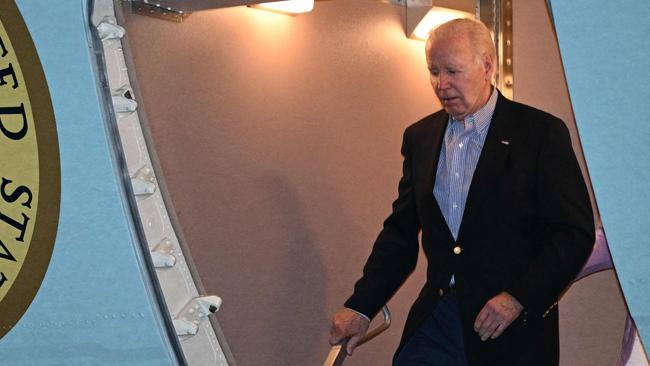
[{"x": 477, "y": 33}]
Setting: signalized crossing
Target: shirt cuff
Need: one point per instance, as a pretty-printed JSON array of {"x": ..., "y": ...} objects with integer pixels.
[{"x": 362, "y": 314}]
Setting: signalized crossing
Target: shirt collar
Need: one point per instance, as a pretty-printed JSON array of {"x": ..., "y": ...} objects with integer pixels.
[{"x": 480, "y": 119}]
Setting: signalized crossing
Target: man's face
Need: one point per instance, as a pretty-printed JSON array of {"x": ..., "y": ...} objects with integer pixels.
[{"x": 460, "y": 80}]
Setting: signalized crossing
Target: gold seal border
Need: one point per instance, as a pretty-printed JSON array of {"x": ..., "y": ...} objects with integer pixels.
[{"x": 31, "y": 275}]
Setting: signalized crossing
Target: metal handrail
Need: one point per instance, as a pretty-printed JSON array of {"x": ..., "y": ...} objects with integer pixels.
[{"x": 338, "y": 351}]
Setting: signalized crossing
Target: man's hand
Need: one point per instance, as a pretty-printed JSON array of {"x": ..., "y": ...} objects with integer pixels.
[
  {"x": 497, "y": 314},
  {"x": 348, "y": 323}
]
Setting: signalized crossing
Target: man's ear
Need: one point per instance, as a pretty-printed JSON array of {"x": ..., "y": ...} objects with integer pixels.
[{"x": 488, "y": 66}]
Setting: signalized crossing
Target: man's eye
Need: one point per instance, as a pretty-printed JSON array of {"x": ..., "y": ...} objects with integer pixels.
[
  {"x": 434, "y": 73},
  {"x": 452, "y": 72}
]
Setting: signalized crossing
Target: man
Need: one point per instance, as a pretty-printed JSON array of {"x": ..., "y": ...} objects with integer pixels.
[{"x": 506, "y": 221}]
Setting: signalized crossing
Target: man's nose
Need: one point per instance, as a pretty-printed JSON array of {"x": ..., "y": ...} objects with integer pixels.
[{"x": 443, "y": 81}]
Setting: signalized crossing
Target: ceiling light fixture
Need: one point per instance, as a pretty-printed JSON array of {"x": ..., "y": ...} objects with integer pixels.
[
  {"x": 435, "y": 17},
  {"x": 289, "y": 6}
]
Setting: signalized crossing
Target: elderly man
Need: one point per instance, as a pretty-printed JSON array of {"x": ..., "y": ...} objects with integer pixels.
[{"x": 506, "y": 221}]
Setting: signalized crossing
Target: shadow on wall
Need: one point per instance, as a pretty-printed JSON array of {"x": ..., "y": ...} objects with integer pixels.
[
  {"x": 279, "y": 279},
  {"x": 301, "y": 280}
]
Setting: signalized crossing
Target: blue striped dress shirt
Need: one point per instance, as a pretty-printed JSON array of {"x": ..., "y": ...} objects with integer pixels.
[{"x": 459, "y": 153}]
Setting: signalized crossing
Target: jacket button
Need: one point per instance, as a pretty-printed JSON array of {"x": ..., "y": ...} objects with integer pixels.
[
  {"x": 441, "y": 292},
  {"x": 457, "y": 249}
]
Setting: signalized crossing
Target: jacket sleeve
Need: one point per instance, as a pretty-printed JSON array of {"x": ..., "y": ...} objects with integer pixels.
[
  {"x": 565, "y": 224},
  {"x": 394, "y": 254}
]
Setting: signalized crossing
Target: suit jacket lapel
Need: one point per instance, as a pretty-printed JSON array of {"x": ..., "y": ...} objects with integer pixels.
[
  {"x": 433, "y": 140},
  {"x": 491, "y": 163}
]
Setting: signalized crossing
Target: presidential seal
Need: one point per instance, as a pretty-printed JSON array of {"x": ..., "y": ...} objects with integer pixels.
[{"x": 29, "y": 171}]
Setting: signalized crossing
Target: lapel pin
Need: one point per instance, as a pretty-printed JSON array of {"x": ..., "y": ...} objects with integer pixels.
[{"x": 505, "y": 142}]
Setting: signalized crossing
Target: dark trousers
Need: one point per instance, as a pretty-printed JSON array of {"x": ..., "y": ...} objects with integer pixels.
[{"x": 438, "y": 341}]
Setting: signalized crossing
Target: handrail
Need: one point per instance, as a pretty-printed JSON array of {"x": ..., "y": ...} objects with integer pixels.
[{"x": 338, "y": 351}]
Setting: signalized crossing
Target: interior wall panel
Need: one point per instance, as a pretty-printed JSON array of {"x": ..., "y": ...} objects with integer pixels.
[{"x": 279, "y": 138}]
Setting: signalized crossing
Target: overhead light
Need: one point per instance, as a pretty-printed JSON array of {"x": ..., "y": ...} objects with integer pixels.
[
  {"x": 435, "y": 17},
  {"x": 289, "y": 6}
]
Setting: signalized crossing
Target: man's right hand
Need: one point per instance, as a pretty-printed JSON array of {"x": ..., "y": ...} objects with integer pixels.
[{"x": 348, "y": 323}]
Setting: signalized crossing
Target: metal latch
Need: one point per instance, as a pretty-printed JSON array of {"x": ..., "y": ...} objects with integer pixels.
[{"x": 187, "y": 321}]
